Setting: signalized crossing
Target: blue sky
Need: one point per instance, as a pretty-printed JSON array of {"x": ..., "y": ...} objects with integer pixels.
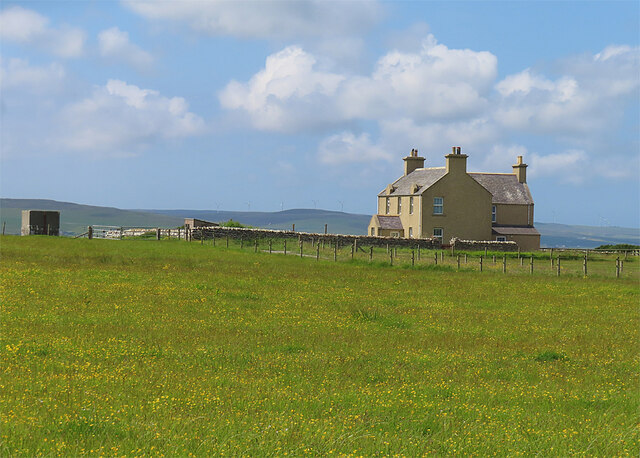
[{"x": 312, "y": 104}]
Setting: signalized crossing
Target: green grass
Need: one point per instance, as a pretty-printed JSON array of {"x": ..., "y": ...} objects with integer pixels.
[{"x": 139, "y": 347}]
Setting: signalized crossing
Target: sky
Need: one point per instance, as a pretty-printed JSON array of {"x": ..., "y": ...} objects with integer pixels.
[{"x": 272, "y": 105}]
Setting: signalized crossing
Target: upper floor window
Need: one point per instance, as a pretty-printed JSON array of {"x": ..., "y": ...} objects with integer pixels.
[
  {"x": 438, "y": 205},
  {"x": 387, "y": 206},
  {"x": 399, "y": 205},
  {"x": 493, "y": 213},
  {"x": 411, "y": 205}
]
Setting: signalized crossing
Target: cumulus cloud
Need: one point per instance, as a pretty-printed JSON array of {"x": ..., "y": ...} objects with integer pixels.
[
  {"x": 588, "y": 99},
  {"x": 18, "y": 73},
  {"x": 434, "y": 83},
  {"x": 114, "y": 44},
  {"x": 288, "y": 94},
  {"x": 570, "y": 165},
  {"x": 29, "y": 27},
  {"x": 121, "y": 118},
  {"x": 347, "y": 147}
]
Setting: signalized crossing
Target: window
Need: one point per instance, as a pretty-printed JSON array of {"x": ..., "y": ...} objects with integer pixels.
[
  {"x": 438, "y": 204},
  {"x": 438, "y": 233},
  {"x": 373, "y": 231},
  {"x": 411, "y": 205},
  {"x": 410, "y": 232},
  {"x": 493, "y": 213},
  {"x": 399, "y": 205},
  {"x": 388, "y": 206},
  {"x": 501, "y": 238}
]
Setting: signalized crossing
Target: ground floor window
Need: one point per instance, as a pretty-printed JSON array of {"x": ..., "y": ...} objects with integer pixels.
[
  {"x": 438, "y": 233},
  {"x": 410, "y": 232},
  {"x": 373, "y": 231},
  {"x": 501, "y": 238}
]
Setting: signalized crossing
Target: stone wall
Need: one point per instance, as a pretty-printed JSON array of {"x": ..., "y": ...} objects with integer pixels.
[
  {"x": 249, "y": 234},
  {"x": 480, "y": 245}
]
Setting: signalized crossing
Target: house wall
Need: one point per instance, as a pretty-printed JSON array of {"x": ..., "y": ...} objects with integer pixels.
[
  {"x": 512, "y": 215},
  {"x": 466, "y": 212},
  {"x": 529, "y": 242},
  {"x": 409, "y": 220}
]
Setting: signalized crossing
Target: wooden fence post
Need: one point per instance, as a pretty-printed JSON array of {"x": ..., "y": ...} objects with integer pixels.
[
  {"x": 442, "y": 256},
  {"x": 371, "y": 253},
  {"x": 293, "y": 227},
  {"x": 255, "y": 248},
  {"x": 391, "y": 257},
  {"x": 201, "y": 236},
  {"x": 504, "y": 264},
  {"x": 90, "y": 232},
  {"x": 270, "y": 241},
  {"x": 558, "y": 266},
  {"x": 485, "y": 251},
  {"x": 458, "y": 261},
  {"x": 4, "y": 224},
  {"x": 465, "y": 258},
  {"x": 317, "y": 251},
  {"x": 387, "y": 248},
  {"x": 325, "y": 230},
  {"x": 353, "y": 250},
  {"x": 480, "y": 263},
  {"x": 301, "y": 246},
  {"x": 584, "y": 265},
  {"x": 285, "y": 246},
  {"x": 531, "y": 267},
  {"x": 435, "y": 258},
  {"x": 413, "y": 258},
  {"x": 494, "y": 259},
  {"x": 335, "y": 250},
  {"x": 618, "y": 267},
  {"x": 418, "y": 252},
  {"x": 227, "y": 240},
  {"x": 121, "y": 232},
  {"x": 157, "y": 233},
  {"x": 621, "y": 266},
  {"x": 522, "y": 261},
  {"x": 551, "y": 263}
]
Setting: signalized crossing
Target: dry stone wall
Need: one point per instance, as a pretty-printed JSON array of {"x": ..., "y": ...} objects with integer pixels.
[
  {"x": 342, "y": 240},
  {"x": 480, "y": 245}
]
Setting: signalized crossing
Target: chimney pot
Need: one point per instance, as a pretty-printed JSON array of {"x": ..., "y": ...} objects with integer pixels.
[{"x": 453, "y": 150}]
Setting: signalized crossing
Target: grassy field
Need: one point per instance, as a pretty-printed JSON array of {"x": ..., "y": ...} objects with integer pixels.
[{"x": 172, "y": 348}]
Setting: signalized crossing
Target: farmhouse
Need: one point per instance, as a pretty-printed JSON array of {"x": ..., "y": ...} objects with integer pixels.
[{"x": 448, "y": 202}]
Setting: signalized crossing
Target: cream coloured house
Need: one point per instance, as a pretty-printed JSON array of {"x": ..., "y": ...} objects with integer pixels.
[{"x": 448, "y": 202}]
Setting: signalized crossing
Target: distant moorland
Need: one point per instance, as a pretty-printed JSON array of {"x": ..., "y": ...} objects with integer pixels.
[{"x": 76, "y": 217}]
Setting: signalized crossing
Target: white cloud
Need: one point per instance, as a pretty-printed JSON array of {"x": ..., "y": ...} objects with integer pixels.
[
  {"x": 586, "y": 101},
  {"x": 120, "y": 118},
  {"x": 346, "y": 147},
  {"x": 570, "y": 165},
  {"x": 288, "y": 94},
  {"x": 28, "y": 27},
  {"x": 18, "y": 73},
  {"x": 435, "y": 83},
  {"x": 265, "y": 20},
  {"x": 114, "y": 44}
]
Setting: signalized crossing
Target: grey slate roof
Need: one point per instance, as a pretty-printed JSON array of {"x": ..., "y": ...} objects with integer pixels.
[
  {"x": 514, "y": 230},
  {"x": 504, "y": 187},
  {"x": 389, "y": 222},
  {"x": 422, "y": 177}
]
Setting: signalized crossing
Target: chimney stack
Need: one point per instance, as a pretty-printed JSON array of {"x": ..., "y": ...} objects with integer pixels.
[
  {"x": 412, "y": 162},
  {"x": 456, "y": 162},
  {"x": 520, "y": 170}
]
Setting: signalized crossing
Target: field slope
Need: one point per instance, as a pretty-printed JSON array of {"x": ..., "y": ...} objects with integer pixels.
[{"x": 147, "y": 348}]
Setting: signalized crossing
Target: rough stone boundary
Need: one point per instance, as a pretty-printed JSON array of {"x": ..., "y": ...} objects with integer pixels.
[
  {"x": 480, "y": 245},
  {"x": 249, "y": 234}
]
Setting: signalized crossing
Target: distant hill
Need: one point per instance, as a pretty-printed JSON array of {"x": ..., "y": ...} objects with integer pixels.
[
  {"x": 306, "y": 220},
  {"x": 76, "y": 217}
]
